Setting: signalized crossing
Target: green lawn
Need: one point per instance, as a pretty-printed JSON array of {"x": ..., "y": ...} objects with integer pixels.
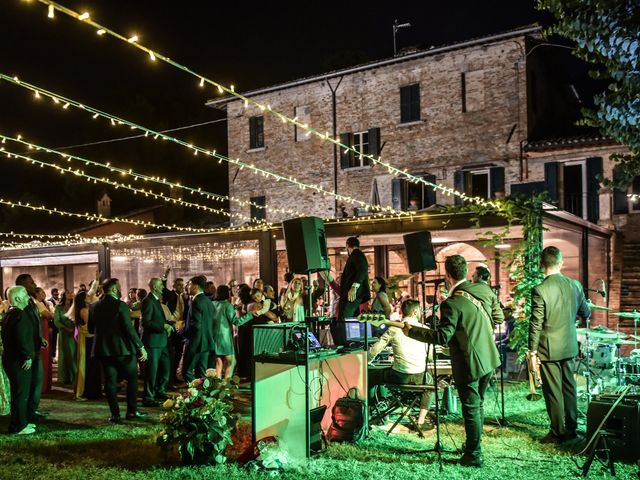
[{"x": 76, "y": 442}]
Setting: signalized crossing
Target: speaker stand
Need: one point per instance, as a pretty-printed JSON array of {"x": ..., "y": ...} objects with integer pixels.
[{"x": 600, "y": 445}]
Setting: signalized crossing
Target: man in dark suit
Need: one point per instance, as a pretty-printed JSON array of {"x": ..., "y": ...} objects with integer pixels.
[
  {"x": 155, "y": 332},
  {"x": 115, "y": 343},
  {"x": 25, "y": 280},
  {"x": 176, "y": 301},
  {"x": 553, "y": 340},
  {"x": 198, "y": 331},
  {"x": 18, "y": 358},
  {"x": 354, "y": 289},
  {"x": 467, "y": 318}
]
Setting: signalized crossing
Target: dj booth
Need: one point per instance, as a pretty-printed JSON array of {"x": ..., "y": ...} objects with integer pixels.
[{"x": 297, "y": 382}]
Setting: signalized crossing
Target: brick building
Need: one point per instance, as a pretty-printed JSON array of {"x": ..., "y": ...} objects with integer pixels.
[{"x": 474, "y": 115}]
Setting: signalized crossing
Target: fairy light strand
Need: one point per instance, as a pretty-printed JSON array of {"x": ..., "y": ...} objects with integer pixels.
[
  {"x": 140, "y": 223},
  {"x": 59, "y": 99},
  {"x": 202, "y": 80},
  {"x": 91, "y": 179},
  {"x": 156, "y": 179}
]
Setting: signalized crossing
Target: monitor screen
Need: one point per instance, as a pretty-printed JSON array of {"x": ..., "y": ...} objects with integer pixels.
[
  {"x": 314, "y": 344},
  {"x": 355, "y": 330}
]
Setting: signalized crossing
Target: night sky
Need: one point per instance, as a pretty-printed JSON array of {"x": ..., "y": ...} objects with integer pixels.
[{"x": 248, "y": 45}]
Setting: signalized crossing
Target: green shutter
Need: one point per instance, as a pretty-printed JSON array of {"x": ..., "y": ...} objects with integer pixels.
[
  {"x": 594, "y": 171},
  {"x": 551, "y": 180},
  {"x": 345, "y": 157},
  {"x": 496, "y": 175}
]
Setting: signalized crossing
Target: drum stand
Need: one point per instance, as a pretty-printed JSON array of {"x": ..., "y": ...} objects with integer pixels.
[{"x": 587, "y": 373}]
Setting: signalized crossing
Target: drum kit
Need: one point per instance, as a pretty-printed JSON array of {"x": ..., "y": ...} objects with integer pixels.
[{"x": 602, "y": 355}]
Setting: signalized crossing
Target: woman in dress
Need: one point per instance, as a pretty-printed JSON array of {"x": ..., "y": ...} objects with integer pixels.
[
  {"x": 66, "y": 342},
  {"x": 292, "y": 302},
  {"x": 5, "y": 392},
  {"x": 87, "y": 385},
  {"x": 243, "y": 338},
  {"x": 380, "y": 302},
  {"x": 225, "y": 317}
]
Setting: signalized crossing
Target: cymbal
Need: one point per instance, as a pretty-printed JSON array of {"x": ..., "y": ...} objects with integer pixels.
[
  {"x": 633, "y": 314},
  {"x": 624, "y": 342},
  {"x": 593, "y": 306},
  {"x": 599, "y": 332}
]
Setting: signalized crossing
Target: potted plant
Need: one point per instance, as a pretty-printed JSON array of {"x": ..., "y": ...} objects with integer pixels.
[{"x": 200, "y": 421}]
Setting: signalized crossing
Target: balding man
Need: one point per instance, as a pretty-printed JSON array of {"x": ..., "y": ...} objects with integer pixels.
[
  {"x": 25, "y": 280},
  {"x": 18, "y": 359},
  {"x": 155, "y": 333}
]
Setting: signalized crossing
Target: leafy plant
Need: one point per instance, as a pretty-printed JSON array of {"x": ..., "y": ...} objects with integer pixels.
[
  {"x": 200, "y": 421},
  {"x": 607, "y": 35},
  {"x": 521, "y": 259}
]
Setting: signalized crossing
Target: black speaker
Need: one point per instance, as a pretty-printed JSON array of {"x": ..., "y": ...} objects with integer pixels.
[
  {"x": 622, "y": 426},
  {"x": 306, "y": 244},
  {"x": 420, "y": 254}
]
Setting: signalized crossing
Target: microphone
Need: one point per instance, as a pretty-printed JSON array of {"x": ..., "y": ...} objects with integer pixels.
[{"x": 603, "y": 292}]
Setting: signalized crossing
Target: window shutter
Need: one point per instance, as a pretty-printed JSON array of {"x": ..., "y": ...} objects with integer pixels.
[
  {"x": 458, "y": 184},
  {"x": 496, "y": 175},
  {"x": 405, "y": 104},
  {"x": 345, "y": 157},
  {"x": 620, "y": 199},
  {"x": 551, "y": 180},
  {"x": 396, "y": 193},
  {"x": 415, "y": 102},
  {"x": 594, "y": 170},
  {"x": 374, "y": 142},
  {"x": 253, "y": 140},
  {"x": 429, "y": 192}
]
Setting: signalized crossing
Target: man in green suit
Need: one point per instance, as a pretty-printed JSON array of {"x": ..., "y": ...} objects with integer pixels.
[
  {"x": 198, "y": 331},
  {"x": 155, "y": 338},
  {"x": 553, "y": 340},
  {"x": 115, "y": 343},
  {"x": 467, "y": 318}
]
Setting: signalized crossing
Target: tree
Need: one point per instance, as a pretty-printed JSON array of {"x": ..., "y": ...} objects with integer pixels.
[{"x": 607, "y": 34}]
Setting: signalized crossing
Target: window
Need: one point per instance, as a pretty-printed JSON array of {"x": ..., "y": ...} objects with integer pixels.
[
  {"x": 256, "y": 132},
  {"x": 481, "y": 182},
  {"x": 413, "y": 196},
  {"x": 574, "y": 186},
  {"x": 258, "y": 213},
  {"x": 410, "y": 103},
  {"x": 364, "y": 143}
]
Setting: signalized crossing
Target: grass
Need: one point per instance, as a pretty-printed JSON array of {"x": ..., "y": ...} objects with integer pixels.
[{"x": 76, "y": 442}]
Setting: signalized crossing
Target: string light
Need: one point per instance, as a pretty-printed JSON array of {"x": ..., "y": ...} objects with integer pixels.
[
  {"x": 256, "y": 170},
  {"x": 51, "y": 13},
  {"x": 156, "y": 179},
  {"x": 140, "y": 223},
  {"x": 35, "y": 240},
  {"x": 310, "y": 131},
  {"x": 146, "y": 193}
]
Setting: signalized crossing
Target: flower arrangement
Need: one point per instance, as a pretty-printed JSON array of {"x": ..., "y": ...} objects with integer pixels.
[{"x": 200, "y": 420}]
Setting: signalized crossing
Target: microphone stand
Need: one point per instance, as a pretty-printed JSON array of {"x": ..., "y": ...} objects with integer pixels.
[
  {"x": 437, "y": 447},
  {"x": 502, "y": 421}
]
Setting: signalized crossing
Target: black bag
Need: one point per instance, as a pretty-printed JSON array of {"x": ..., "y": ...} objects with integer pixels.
[{"x": 348, "y": 419}]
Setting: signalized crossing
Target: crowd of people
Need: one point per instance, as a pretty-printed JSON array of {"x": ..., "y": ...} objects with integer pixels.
[{"x": 172, "y": 336}]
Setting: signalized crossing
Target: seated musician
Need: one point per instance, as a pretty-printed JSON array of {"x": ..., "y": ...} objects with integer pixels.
[{"x": 409, "y": 360}]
